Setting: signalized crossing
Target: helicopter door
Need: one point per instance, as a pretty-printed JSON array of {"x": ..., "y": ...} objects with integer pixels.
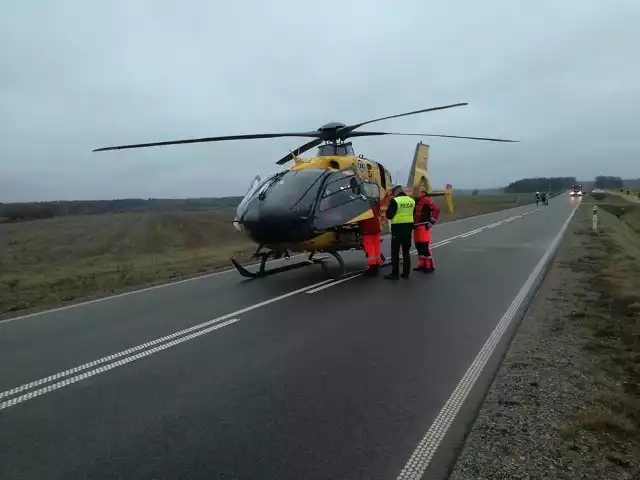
[{"x": 343, "y": 198}]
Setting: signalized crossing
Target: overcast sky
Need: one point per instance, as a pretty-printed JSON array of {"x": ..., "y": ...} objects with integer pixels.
[{"x": 561, "y": 76}]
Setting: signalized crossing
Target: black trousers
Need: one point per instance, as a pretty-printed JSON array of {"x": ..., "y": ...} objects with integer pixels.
[{"x": 401, "y": 236}]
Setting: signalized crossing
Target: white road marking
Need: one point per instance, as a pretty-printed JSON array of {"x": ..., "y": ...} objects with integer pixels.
[
  {"x": 141, "y": 290},
  {"x": 421, "y": 457},
  {"x": 199, "y": 277},
  {"x": 143, "y": 346},
  {"x": 83, "y": 376},
  {"x": 200, "y": 329},
  {"x": 336, "y": 282},
  {"x": 472, "y": 232},
  {"x": 412, "y": 252}
]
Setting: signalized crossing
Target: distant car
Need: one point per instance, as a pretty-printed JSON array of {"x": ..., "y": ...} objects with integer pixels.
[{"x": 576, "y": 191}]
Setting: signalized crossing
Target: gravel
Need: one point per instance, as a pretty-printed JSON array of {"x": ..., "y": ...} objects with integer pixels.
[{"x": 548, "y": 412}]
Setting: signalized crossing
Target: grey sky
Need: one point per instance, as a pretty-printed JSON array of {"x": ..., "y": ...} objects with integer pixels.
[{"x": 562, "y": 77}]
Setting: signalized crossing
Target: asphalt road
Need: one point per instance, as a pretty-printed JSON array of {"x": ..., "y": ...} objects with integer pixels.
[{"x": 292, "y": 376}]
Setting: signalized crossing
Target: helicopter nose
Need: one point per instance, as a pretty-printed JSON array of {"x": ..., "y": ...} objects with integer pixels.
[{"x": 279, "y": 229}]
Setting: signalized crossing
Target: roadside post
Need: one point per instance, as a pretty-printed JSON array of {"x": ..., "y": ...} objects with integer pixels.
[{"x": 595, "y": 218}]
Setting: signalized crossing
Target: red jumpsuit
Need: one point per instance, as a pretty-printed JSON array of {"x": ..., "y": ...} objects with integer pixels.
[
  {"x": 426, "y": 211},
  {"x": 370, "y": 231}
]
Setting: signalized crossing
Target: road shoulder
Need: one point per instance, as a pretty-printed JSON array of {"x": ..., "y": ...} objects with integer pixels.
[{"x": 565, "y": 402}]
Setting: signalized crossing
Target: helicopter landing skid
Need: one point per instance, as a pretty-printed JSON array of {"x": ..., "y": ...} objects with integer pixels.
[
  {"x": 263, "y": 272},
  {"x": 341, "y": 273}
]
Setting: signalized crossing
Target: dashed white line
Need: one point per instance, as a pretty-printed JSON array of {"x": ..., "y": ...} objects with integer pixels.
[
  {"x": 83, "y": 376},
  {"x": 192, "y": 279},
  {"x": 413, "y": 252},
  {"x": 337, "y": 282},
  {"x": 421, "y": 457},
  {"x": 171, "y": 340},
  {"x": 146, "y": 345},
  {"x": 473, "y": 232}
]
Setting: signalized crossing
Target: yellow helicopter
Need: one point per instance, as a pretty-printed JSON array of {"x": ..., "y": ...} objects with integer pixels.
[{"x": 315, "y": 205}]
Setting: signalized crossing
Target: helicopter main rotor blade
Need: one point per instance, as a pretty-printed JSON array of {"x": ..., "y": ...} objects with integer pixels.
[
  {"x": 350, "y": 128},
  {"x": 300, "y": 150},
  {"x": 374, "y": 134},
  {"x": 214, "y": 139}
]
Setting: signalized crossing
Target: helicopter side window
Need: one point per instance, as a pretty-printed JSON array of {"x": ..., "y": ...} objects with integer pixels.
[
  {"x": 371, "y": 191},
  {"x": 338, "y": 191}
]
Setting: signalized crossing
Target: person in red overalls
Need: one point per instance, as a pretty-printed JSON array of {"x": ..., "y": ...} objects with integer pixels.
[
  {"x": 425, "y": 215},
  {"x": 370, "y": 232}
]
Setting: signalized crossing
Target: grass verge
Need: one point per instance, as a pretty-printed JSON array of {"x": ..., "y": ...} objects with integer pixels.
[{"x": 566, "y": 400}]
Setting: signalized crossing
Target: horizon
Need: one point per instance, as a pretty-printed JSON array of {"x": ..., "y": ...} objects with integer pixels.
[{"x": 469, "y": 189}]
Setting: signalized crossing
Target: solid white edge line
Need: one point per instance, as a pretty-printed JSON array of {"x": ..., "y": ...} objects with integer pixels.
[
  {"x": 424, "y": 452},
  {"x": 198, "y": 277},
  {"x": 128, "y": 351},
  {"x": 70, "y": 381}
]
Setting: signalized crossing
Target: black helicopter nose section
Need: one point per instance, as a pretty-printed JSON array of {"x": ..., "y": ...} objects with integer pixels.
[
  {"x": 272, "y": 229},
  {"x": 281, "y": 211}
]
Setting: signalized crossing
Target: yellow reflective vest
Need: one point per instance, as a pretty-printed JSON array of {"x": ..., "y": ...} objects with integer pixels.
[{"x": 404, "y": 214}]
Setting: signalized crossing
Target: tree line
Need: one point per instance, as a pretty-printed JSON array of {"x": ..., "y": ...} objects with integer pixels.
[
  {"x": 14, "y": 212},
  {"x": 540, "y": 184},
  {"x": 608, "y": 182}
]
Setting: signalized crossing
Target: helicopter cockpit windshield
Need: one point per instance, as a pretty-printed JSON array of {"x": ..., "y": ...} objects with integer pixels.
[
  {"x": 256, "y": 184},
  {"x": 283, "y": 194}
]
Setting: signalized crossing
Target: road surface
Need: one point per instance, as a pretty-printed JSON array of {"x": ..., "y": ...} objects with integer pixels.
[{"x": 292, "y": 376}]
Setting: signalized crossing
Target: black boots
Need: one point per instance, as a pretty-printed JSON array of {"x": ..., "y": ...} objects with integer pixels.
[
  {"x": 372, "y": 271},
  {"x": 395, "y": 276}
]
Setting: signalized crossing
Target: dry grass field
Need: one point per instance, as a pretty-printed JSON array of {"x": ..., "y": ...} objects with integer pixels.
[
  {"x": 52, "y": 261},
  {"x": 46, "y": 262}
]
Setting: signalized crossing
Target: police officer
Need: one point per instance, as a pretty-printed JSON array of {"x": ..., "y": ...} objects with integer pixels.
[
  {"x": 400, "y": 212},
  {"x": 537, "y": 198}
]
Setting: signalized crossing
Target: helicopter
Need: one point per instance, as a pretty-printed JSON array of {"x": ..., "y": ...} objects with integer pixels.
[{"x": 314, "y": 206}]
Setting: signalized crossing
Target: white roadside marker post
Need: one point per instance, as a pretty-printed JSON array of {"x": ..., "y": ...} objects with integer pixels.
[{"x": 595, "y": 218}]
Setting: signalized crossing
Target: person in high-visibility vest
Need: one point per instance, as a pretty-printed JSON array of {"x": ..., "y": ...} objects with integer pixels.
[
  {"x": 370, "y": 231},
  {"x": 400, "y": 212},
  {"x": 426, "y": 214}
]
